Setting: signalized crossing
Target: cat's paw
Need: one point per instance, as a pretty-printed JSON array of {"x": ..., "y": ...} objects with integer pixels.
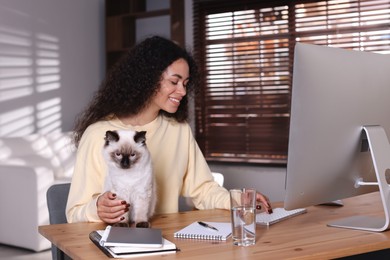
[
  {"x": 143, "y": 224},
  {"x": 121, "y": 224}
]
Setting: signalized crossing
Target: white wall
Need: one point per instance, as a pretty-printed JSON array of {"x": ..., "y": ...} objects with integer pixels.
[{"x": 51, "y": 61}]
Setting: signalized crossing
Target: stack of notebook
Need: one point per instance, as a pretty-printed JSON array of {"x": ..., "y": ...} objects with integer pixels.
[{"x": 120, "y": 242}]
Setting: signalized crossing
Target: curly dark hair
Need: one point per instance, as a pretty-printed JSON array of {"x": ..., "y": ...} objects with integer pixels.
[{"x": 134, "y": 80}]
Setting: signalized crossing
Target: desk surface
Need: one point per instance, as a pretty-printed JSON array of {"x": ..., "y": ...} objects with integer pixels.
[{"x": 302, "y": 237}]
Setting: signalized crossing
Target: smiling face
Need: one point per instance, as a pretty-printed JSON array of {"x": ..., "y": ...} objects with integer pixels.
[{"x": 172, "y": 87}]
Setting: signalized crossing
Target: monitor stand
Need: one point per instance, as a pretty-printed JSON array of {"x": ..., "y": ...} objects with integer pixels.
[
  {"x": 380, "y": 154},
  {"x": 334, "y": 203}
]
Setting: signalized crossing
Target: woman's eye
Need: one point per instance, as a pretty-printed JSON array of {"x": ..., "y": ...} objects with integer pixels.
[
  {"x": 185, "y": 83},
  {"x": 174, "y": 83}
]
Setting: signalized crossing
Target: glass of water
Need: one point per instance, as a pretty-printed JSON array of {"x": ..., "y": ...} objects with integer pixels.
[{"x": 243, "y": 218}]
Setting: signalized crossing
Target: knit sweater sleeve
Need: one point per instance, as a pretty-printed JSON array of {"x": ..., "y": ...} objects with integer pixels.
[
  {"x": 88, "y": 178},
  {"x": 199, "y": 183}
]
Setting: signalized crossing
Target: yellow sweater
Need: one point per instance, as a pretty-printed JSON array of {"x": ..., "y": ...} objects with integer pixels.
[{"x": 179, "y": 167}]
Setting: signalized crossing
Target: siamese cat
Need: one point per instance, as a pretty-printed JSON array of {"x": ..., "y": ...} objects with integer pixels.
[{"x": 130, "y": 174}]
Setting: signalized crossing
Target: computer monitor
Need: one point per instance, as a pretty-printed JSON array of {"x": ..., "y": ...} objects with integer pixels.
[{"x": 340, "y": 114}]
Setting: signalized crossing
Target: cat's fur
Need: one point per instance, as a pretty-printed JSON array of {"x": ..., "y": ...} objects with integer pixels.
[{"x": 130, "y": 174}]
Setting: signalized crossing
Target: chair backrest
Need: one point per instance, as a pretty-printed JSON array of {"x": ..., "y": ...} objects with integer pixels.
[
  {"x": 218, "y": 178},
  {"x": 57, "y": 196}
]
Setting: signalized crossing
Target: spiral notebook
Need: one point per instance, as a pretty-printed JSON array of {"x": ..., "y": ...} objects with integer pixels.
[{"x": 197, "y": 231}]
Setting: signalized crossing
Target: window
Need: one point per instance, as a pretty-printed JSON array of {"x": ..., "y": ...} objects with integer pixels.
[{"x": 245, "y": 52}]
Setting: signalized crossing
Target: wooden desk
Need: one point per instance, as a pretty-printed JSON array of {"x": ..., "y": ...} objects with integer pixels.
[{"x": 302, "y": 237}]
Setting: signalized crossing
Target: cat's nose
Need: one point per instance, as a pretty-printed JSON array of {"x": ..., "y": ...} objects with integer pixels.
[{"x": 125, "y": 163}]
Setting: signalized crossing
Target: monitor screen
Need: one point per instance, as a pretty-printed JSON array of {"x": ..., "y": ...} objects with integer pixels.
[{"x": 335, "y": 94}]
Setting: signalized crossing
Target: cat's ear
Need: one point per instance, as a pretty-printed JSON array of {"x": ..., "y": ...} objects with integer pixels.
[
  {"x": 111, "y": 136},
  {"x": 140, "y": 137}
]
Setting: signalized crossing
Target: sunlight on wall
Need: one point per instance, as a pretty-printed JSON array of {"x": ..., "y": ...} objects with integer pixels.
[
  {"x": 29, "y": 76},
  {"x": 17, "y": 122},
  {"x": 49, "y": 115},
  {"x": 15, "y": 64},
  {"x": 47, "y": 58}
]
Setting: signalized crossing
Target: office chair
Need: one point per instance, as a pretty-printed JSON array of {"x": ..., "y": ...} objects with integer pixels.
[{"x": 57, "y": 196}]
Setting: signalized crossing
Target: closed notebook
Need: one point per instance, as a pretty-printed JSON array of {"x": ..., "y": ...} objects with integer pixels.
[
  {"x": 125, "y": 236},
  {"x": 131, "y": 251},
  {"x": 166, "y": 246},
  {"x": 197, "y": 231}
]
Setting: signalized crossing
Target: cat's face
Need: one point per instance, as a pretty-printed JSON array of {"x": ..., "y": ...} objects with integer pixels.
[{"x": 124, "y": 148}]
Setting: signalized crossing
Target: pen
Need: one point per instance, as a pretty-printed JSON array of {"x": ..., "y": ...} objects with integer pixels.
[
  {"x": 105, "y": 235},
  {"x": 207, "y": 225}
]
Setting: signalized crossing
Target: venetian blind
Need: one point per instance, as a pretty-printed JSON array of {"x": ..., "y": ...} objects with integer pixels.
[{"x": 245, "y": 52}]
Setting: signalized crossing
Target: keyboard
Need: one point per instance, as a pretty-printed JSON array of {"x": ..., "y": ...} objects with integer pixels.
[{"x": 278, "y": 214}]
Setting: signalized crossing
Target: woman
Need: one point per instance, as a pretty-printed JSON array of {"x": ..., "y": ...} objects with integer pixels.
[{"x": 146, "y": 91}]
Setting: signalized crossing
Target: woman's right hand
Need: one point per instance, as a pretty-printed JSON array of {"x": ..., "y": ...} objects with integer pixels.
[{"x": 110, "y": 209}]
